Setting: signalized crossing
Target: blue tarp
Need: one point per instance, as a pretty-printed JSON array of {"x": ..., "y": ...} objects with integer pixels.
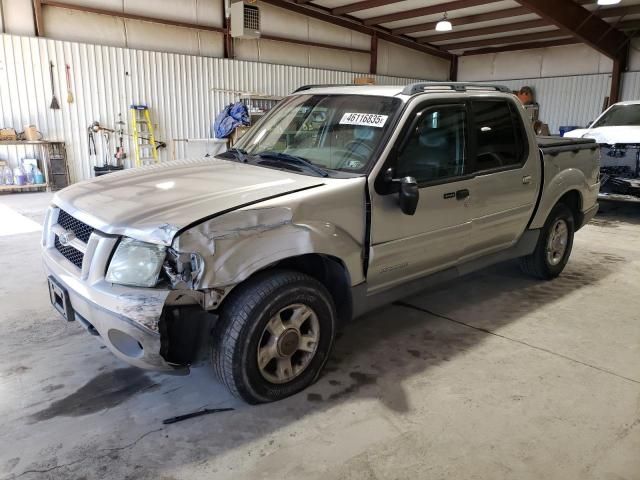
[{"x": 232, "y": 116}]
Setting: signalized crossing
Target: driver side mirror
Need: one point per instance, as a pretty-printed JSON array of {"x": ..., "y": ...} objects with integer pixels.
[{"x": 408, "y": 194}]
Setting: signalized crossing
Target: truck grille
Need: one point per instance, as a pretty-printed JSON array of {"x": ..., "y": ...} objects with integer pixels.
[
  {"x": 70, "y": 253},
  {"x": 82, "y": 230}
]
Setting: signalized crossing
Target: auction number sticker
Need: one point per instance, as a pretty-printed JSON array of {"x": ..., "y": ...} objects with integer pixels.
[{"x": 364, "y": 119}]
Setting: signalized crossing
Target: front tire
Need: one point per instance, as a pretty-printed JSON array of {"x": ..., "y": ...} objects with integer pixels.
[
  {"x": 554, "y": 245},
  {"x": 274, "y": 335}
]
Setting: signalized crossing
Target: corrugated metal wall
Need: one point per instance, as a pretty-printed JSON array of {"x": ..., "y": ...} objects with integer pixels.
[
  {"x": 573, "y": 100},
  {"x": 631, "y": 86},
  {"x": 179, "y": 89}
]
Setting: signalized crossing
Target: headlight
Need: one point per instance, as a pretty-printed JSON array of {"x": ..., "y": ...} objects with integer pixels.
[{"x": 136, "y": 263}]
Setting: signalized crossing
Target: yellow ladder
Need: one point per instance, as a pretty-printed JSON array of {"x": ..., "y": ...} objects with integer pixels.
[{"x": 143, "y": 138}]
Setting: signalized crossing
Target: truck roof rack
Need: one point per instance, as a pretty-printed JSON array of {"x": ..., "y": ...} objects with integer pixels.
[
  {"x": 325, "y": 85},
  {"x": 421, "y": 87}
]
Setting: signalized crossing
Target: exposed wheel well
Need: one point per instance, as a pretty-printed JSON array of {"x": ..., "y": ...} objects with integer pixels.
[
  {"x": 329, "y": 271},
  {"x": 573, "y": 200}
]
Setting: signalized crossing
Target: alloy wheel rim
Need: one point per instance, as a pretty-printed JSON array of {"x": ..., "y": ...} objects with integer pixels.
[
  {"x": 288, "y": 343},
  {"x": 557, "y": 242}
]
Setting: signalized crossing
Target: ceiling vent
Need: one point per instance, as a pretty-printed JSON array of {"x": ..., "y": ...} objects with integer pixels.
[{"x": 245, "y": 19}]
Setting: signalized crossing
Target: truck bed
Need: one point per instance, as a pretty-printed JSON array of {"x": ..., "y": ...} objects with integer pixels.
[{"x": 555, "y": 145}]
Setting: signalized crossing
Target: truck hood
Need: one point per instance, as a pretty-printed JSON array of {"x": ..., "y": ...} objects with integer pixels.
[
  {"x": 153, "y": 203},
  {"x": 608, "y": 135}
]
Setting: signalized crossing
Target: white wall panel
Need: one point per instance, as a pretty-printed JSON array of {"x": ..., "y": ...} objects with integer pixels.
[
  {"x": 17, "y": 17},
  {"x": 394, "y": 59},
  {"x": 541, "y": 62},
  {"x": 179, "y": 90},
  {"x": 78, "y": 26},
  {"x": 164, "y": 38}
]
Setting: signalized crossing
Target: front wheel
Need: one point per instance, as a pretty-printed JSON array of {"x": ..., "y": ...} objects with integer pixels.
[
  {"x": 554, "y": 245},
  {"x": 274, "y": 335}
]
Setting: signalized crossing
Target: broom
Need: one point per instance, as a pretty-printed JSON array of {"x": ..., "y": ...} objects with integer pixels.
[{"x": 54, "y": 101}]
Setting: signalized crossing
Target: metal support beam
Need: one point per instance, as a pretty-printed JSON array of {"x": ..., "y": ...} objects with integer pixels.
[
  {"x": 582, "y": 24},
  {"x": 453, "y": 69},
  {"x": 227, "y": 41},
  {"x": 37, "y": 16},
  {"x": 616, "y": 80},
  {"x": 373, "y": 63},
  {"x": 277, "y": 38}
]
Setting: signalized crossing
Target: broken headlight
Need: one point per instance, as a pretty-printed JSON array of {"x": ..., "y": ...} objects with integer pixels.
[
  {"x": 183, "y": 270},
  {"x": 136, "y": 263}
]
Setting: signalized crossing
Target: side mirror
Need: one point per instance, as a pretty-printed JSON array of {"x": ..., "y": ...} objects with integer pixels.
[{"x": 409, "y": 195}]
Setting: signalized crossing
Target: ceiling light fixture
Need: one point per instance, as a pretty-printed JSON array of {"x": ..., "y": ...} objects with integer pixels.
[
  {"x": 444, "y": 25},
  {"x": 608, "y": 2}
]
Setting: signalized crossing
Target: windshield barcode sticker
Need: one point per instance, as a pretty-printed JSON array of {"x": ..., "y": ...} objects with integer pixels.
[{"x": 364, "y": 119}]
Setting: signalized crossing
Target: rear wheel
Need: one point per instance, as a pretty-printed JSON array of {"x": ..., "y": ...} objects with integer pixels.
[
  {"x": 554, "y": 245},
  {"x": 274, "y": 336}
]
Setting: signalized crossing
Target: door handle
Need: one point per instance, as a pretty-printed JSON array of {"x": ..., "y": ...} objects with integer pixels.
[
  {"x": 526, "y": 180},
  {"x": 462, "y": 194}
]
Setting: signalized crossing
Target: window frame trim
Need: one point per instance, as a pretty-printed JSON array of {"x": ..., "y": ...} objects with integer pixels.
[
  {"x": 383, "y": 188},
  {"x": 521, "y": 138}
]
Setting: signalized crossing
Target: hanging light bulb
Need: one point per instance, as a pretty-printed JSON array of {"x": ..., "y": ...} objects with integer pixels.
[
  {"x": 444, "y": 25},
  {"x": 608, "y": 2}
]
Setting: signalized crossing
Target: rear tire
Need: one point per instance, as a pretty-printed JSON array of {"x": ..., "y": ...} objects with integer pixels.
[
  {"x": 274, "y": 335},
  {"x": 554, "y": 245}
]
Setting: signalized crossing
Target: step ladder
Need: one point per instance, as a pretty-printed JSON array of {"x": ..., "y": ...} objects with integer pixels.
[{"x": 143, "y": 138}]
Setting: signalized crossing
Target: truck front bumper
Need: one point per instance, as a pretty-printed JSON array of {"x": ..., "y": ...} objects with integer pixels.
[{"x": 122, "y": 317}]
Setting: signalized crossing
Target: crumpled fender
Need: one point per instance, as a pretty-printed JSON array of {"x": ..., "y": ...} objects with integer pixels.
[{"x": 240, "y": 243}]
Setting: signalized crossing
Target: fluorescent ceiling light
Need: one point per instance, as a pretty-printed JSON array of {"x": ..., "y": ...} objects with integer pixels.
[{"x": 608, "y": 2}]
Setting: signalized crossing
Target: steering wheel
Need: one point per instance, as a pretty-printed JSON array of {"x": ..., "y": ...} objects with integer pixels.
[
  {"x": 350, "y": 151},
  {"x": 355, "y": 144}
]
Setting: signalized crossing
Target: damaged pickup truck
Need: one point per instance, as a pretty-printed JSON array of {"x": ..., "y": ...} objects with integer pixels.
[
  {"x": 617, "y": 132},
  {"x": 340, "y": 200}
]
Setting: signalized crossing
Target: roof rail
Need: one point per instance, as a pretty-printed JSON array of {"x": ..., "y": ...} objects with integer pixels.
[
  {"x": 325, "y": 85},
  {"x": 421, "y": 87}
]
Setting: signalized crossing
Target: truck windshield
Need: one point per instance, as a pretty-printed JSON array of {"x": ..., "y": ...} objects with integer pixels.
[
  {"x": 619, "y": 116},
  {"x": 335, "y": 132}
]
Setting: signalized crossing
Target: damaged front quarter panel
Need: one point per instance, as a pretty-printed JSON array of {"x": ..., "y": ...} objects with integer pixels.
[{"x": 239, "y": 243}]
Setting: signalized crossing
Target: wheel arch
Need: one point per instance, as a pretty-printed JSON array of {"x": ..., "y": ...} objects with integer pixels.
[
  {"x": 572, "y": 197},
  {"x": 330, "y": 271}
]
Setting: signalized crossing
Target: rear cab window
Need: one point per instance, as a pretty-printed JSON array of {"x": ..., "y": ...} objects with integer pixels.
[{"x": 500, "y": 140}]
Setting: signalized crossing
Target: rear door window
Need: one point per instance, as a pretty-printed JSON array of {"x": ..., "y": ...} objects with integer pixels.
[{"x": 498, "y": 133}]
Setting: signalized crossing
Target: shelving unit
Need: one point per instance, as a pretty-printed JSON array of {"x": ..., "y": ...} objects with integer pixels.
[{"x": 53, "y": 161}]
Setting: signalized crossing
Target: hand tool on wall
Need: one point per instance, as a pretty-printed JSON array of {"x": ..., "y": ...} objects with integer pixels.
[
  {"x": 92, "y": 143},
  {"x": 69, "y": 93},
  {"x": 120, "y": 154},
  {"x": 54, "y": 101}
]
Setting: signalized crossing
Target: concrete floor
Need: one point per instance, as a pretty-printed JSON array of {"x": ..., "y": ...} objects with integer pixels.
[{"x": 495, "y": 376}]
